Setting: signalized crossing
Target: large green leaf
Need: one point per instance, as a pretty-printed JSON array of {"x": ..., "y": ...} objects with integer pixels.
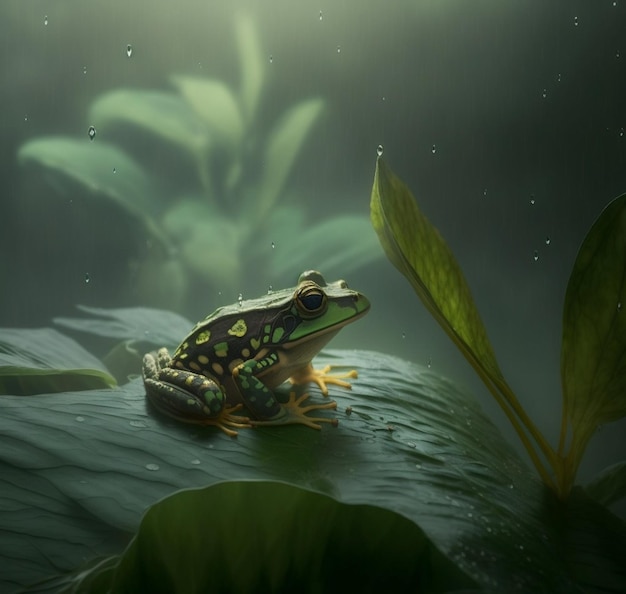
[
  {"x": 418, "y": 251},
  {"x": 163, "y": 114},
  {"x": 103, "y": 169},
  {"x": 252, "y": 66},
  {"x": 215, "y": 105},
  {"x": 281, "y": 150},
  {"x": 409, "y": 442},
  {"x": 41, "y": 360},
  {"x": 593, "y": 357}
]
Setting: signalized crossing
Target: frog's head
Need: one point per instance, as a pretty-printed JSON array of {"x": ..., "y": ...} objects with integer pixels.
[{"x": 323, "y": 308}]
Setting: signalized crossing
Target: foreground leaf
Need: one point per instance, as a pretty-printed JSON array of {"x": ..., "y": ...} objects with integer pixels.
[
  {"x": 593, "y": 356},
  {"x": 103, "y": 169},
  {"x": 419, "y": 252},
  {"x": 36, "y": 361},
  {"x": 413, "y": 444}
]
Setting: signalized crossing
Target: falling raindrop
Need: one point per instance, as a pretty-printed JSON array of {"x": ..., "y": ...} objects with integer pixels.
[
  {"x": 621, "y": 132},
  {"x": 271, "y": 58},
  {"x": 403, "y": 335},
  {"x": 320, "y": 15},
  {"x": 270, "y": 290},
  {"x": 114, "y": 170},
  {"x": 535, "y": 255},
  {"x": 548, "y": 240},
  {"x": 87, "y": 278},
  {"x": 433, "y": 150},
  {"x": 619, "y": 306},
  {"x": 617, "y": 54},
  {"x": 558, "y": 77},
  {"x": 544, "y": 93},
  {"x": 84, "y": 69},
  {"x": 240, "y": 300},
  {"x": 338, "y": 49},
  {"x": 129, "y": 50},
  {"x": 575, "y": 21},
  {"x": 532, "y": 200},
  {"x": 91, "y": 132},
  {"x": 485, "y": 192},
  {"x": 45, "y": 20},
  {"x": 429, "y": 364},
  {"x": 26, "y": 118},
  {"x": 273, "y": 245},
  {"x": 379, "y": 150}
]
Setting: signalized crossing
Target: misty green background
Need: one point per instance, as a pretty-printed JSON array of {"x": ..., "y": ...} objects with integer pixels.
[{"x": 521, "y": 100}]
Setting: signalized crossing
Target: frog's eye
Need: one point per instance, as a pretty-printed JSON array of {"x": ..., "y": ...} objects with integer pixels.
[{"x": 311, "y": 301}]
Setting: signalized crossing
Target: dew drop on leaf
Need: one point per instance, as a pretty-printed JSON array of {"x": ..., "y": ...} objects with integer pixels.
[
  {"x": 152, "y": 466},
  {"x": 80, "y": 419},
  {"x": 91, "y": 132}
]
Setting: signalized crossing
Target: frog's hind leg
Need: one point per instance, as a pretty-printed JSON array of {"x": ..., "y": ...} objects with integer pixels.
[{"x": 292, "y": 413}]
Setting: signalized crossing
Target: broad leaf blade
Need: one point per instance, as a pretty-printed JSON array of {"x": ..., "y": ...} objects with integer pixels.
[
  {"x": 215, "y": 105},
  {"x": 418, "y": 251},
  {"x": 593, "y": 356},
  {"x": 332, "y": 547},
  {"x": 413, "y": 444},
  {"x": 35, "y": 361},
  {"x": 102, "y": 168},
  {"x": 282, "y": 149},
  {"x": 162, "y": 114},
  {"x": 252, "y": 66}
]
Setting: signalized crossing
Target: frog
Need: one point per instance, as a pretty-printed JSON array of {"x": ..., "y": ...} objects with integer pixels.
[{"x": 240, "y": 353}]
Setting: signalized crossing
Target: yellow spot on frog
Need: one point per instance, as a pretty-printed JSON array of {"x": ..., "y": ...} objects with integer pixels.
[
  {"x": 239, "y": 329},
  {"x": 218, "y": 369},
  {"x": 245, "y": 353},
  {"x": 203, "y": 359},
  {"x": 221, "y": 349},
  {"x": 203, "y": 337},
  {"x": 189, "y": 380},
  {"x": 179, "y": 364},
  {"x": 255, "y": 343},
  {"x": 194, "y": 366}
]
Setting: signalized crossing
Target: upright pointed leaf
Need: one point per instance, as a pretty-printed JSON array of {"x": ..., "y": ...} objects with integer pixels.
[
  {"x": 282, "y": 148},
  {"x": 419, "y": 252},
  {"x": 216, "y": 106},
  {"x": 593, "y": 357},
  {"x": 251, "y": 64},
  {"x": 163, "y": 114}
]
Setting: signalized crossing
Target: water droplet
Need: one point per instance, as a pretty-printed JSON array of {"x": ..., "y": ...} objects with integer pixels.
[
  {"x": 532, "y": 200},
  {"x": 470, "y": 515},
  {"x": 403, "y": 335},
  {"x": 429, "y": 364},
  {"x": 91, "y": 132},
  {"x": 87, "y": 278},
  {"x": 621, "y": 132},
  {"x": 575, "y": 21},
  {"x": 379, "y": 150},
  {"x": 521, "y": 547},
  {"x": 619, "y": 306},
  {"x": 411, "y": 444},
  {"x": 240, "y": 300},
  {"x": 195, "y": 462},
  {"x": 548, "y": 240},
  {"x": 383, "y": 97},
  {"x": 273, "y": 245},
  {"x": 617, "y": 54},
  {"x": 320, "y": 15},
  {"x": 271, "y": 58},
  {"x": 433, "y": 150},
  {"x": 270, "y": 290},
  {"x": 558, "y": 77},
  {"x": 114, "y": 170},
  {"x": 152, "y": 466},
  {"x": 535, "y": 255},
  {"x": 614, "y": 2},
  {"x": 338, "y": 49},
  {"x": 84, "y": 69},
  {"x": 26, "y": 118},
  {"x": 45, "y": 20},
  {"x": 80, "y": 419},
  {"x": 138, "y": 424},
  {"x": 510, "y": 485},
  {"x": 544, "y": 93},
  {"x": 129, "y": 50}
]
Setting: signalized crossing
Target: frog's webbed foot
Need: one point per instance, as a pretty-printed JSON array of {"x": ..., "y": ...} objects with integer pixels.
[
  {"x": 294, "y": 414},
  {"x": 321, "y": 377},
  {"x": 226, "y": 419}
]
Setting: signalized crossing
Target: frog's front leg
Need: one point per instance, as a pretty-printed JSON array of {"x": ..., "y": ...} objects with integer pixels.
[
  {"x": 188, "y": 396},
  {"x": 321, "y": 377},
  {"x": 263, "y": 403}
]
